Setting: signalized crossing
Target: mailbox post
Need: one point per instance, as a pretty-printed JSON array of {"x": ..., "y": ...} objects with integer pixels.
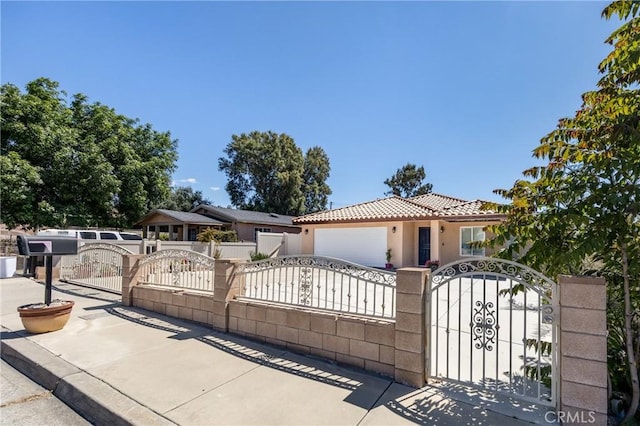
[{"x": 47, "y": 246}]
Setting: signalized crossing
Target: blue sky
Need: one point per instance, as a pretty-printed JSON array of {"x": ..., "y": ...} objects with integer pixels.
[{"x": 465, "y": 89}]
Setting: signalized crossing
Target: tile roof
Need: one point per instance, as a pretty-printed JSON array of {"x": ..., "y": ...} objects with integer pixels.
[
  {"x": 429, "y": 206},
  {"x": 436, "y": 201},
  {"x": 469, "y": 208},
  {"x": 381, "y": 209}
]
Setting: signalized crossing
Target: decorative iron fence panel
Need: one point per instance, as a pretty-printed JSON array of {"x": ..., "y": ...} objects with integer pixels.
[
  {"x": 321, "y": 282},
  {"x": 184, "y": 269},
  {"x": 491, "y": 324},
  {"x": 96, "y": 265}
]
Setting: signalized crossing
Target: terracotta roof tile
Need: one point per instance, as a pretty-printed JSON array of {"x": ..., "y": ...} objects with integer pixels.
[
  {"x": 381, "y": 209},
  {"x": 470, "y": 208},
  {"x": 436, "y": 201},
  {"x": 429, "y": 206}
]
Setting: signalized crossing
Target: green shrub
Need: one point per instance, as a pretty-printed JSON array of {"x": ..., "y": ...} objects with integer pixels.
[
  {"x": 258, "y": 256},
  {"x": 211, "y": 234}
]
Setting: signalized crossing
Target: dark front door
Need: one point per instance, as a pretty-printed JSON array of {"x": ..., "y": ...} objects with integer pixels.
[{"x": 424, "y": 245}]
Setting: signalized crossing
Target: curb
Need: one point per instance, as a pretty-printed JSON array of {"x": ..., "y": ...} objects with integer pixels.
[{"x": 90, "y": 397}]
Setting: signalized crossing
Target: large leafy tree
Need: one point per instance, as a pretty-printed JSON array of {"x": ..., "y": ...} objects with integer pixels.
[
  {"x": 183, "y": 198},
  {"x": 18, "y": 200},
  {"x": 585, "y": 203},
  {"x": 314, "y": 176},
  {"x": 93, "y": 166},
  {"x": 407, "y": 182},
  {"x": 266, "y": 172}
]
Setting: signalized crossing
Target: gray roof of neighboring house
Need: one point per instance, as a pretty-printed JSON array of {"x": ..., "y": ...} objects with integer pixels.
[
  {"x": 185, "y": 217},
  {"x": 245, "y": 216}
]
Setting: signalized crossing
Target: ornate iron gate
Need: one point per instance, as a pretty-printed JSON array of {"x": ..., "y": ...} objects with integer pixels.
[
  {"x": 184, "y": 269},
  {"x": 491, "y": 325},
  {"x": 96, "y": 265}
]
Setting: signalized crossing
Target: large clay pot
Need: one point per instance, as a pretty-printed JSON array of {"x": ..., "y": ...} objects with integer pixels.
[{"x": 40, "y": 318}]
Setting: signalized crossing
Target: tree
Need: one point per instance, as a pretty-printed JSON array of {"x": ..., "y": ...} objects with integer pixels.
[
  {"x": 265, "y": 172},
  {"x": 18, "y": 177},
  {"x": 94, "y": 166},
  {"x": 407, "y": 182},
  {"x": 183, "y": 198},
  {"x": 585, "y": 203},
  {"x": 314, "y": 176}
]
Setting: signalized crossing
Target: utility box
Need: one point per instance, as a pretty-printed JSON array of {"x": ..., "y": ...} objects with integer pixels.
[{"x": 46, "y": 245}]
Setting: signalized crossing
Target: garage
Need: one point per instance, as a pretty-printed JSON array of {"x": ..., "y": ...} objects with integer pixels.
[{"x": 364, "y": 246}]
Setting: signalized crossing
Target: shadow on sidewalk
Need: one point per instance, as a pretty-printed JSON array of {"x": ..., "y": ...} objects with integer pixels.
[
  {"x": 366, "y": 387},
  {"x": 439, "y": 404}
]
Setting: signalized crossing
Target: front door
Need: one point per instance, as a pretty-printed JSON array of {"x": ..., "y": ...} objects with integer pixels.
[{"x": 424, "y": 245}]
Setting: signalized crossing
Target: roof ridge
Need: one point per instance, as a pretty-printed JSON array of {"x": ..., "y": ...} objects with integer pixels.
[
  {"x": 431, "y": 210},
  {"x": 349, "y": 206},
  {"x": 440, "y": 195}
]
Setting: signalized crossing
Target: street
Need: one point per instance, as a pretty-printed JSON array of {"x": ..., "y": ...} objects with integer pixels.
[{"x": 23, "y": 402}]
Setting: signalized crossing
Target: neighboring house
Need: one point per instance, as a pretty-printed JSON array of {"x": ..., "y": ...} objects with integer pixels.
[
  {"x": 417, "y": 229},
  {"x": 248, "y": 223},
  {"x": 185, "y": 226},
  {"x": 180, "y": 226}
]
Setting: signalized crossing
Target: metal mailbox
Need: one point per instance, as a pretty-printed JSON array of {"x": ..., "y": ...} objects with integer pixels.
[{"x": 45, "y": 245}]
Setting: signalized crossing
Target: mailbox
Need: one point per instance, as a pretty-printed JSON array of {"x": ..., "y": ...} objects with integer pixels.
[{"x": 45, "y": 245}]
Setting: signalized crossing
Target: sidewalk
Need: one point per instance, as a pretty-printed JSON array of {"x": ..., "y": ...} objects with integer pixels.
[{"x": 123, "y": 365}]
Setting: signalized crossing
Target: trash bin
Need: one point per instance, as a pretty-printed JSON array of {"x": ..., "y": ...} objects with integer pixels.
[{"x": 7, "y": 266}]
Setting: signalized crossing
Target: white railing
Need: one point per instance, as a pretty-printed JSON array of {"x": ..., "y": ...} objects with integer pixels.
[
  {"x": 320, "y": 282},
  {"x": 184, "y": 269},
  {"x": 96, "y": 265},
  {"x": 202, "y": 248}
]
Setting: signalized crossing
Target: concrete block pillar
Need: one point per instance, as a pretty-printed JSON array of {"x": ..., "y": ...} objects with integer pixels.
[
  {"x": 226, "y": 286},
  {"x": 410, "y": 333},
  {"x": 583, "y": 348},
  {"x": 131, "y": 275}
]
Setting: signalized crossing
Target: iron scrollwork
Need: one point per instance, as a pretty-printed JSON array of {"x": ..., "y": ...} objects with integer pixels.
[
  {"x": 483, "y": 326},
  {"x": 305, "y": 286}
]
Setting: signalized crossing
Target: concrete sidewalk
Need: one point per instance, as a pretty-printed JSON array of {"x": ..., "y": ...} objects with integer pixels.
[{"x": 122, "y": 365}]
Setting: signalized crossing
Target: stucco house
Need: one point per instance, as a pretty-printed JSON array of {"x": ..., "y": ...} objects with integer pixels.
[
  {"x": 185, "y": 226},
  {"x": 417, "y": 229}
]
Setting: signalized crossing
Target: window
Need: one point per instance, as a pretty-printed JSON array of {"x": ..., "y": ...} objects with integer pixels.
[
  {"x": 468, "y": 235},
  {"x": 256, "y": 230},
  {"x": 108, "y": 236},
  {"x": 128, "y": 236},
  {"x": 88, "y": 235}
]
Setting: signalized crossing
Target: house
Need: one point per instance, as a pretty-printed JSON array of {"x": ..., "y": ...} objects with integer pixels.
[
  {"x": 417, "y": 229},
  {"x": 248, "y": 223},
  {"x": 185, "y": 226}
]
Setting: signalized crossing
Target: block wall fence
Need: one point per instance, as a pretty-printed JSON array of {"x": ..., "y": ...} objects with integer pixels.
[{"x": 394, "y": 348}]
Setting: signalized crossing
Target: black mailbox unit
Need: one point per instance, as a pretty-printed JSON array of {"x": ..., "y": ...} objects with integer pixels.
[
  {"x": 47, "y": 246},
  {"x": 44, "y": 245}
]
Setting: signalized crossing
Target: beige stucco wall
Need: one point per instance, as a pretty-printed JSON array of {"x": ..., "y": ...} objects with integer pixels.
[
  {"x": 396, "y": 241},
  {"x": 450, "y": 240},
  {"x": 445, "y": 246}
]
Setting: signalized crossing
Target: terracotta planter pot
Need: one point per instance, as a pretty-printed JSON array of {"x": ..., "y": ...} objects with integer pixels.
[{"x": 40, "y": 318}]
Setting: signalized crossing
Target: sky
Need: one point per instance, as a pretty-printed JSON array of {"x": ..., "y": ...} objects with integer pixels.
[{"x": 465, "y": 89}]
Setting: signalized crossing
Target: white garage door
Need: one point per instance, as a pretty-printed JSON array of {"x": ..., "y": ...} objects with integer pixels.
[{"x": 365, "y": 246}]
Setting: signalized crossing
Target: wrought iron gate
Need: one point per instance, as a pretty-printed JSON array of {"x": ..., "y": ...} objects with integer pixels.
[
  {"x": 96, "y": 265},
  {"x": 491, "y": 325}
]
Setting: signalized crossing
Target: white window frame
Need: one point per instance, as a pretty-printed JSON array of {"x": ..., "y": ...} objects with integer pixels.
[{"x": 473, "y": 254}]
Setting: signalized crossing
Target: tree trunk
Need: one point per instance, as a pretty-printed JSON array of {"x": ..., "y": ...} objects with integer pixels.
[{"x": 633, "y": 366}]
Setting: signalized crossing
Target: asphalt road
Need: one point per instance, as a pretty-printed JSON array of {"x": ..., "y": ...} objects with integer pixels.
[{"x": 24, "y": 403}]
